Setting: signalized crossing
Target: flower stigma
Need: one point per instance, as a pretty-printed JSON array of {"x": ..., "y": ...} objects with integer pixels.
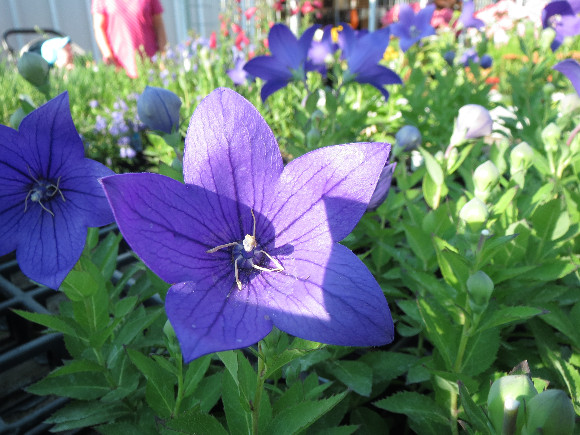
[
  {"x": 42, "y": 190},
  {"x": 247, "y": 255}
]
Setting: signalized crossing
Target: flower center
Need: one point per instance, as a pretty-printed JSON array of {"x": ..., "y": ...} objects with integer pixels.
[
  {"x": 554, "y": 20},
  {"x": 414, "y": 32},
  {"x": 43, "y": 191},
  {"x": 247, "y": 255}
]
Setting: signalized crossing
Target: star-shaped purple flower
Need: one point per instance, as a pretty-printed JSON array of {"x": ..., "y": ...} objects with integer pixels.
[
  {"x": 321, "y": 51},
  {"x": 411, "y": 28},
  {"x": 561, "y": 17},
  {"x": 287, "y": 62},
  {"x": 363, "y": 54},
  {"x": 49, "y": 193},
  {"x": 249, "y": 244},
  {"x": 467, "y": 19}
]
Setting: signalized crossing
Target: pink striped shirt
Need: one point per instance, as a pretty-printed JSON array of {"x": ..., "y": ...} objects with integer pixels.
[{"x": 129, "y": 29}]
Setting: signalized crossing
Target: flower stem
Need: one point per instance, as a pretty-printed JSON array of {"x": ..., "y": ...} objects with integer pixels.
[
  {"x": 259, "y": 389},
  {"x": 180, "y": 389}
]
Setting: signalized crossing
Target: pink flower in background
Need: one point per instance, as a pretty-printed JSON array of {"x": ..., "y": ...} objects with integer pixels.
[
  {"x": 317, "y": 4},
  {"x": 212, "y": 40},
  {"x": 307, "y": 7},
  {"x": 241, "y": 39},
  {"x": 279, "y": 5},
  {"x": 250, "y": 12},
  {"x": 236, "y": 28},
  {"x": 441, "y": 17}
]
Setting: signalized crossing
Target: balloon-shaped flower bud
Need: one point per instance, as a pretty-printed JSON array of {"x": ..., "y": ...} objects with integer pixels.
[
  {"x": 33, "y": 68},
  {"x": 521, "y": 157},
  {"x": 546, "y": 37},
  {"x": 158, "y": 109},
  {"x": 485, "y": 177},
  {"x": 383, "y": 186},
  {"x": 550, "y": 413},
  {"x": 551, "y": 136},
  {"x": 473, "y": 121},
  {"x": 486, "y": 61},
  {"x": 507, "y": 390},
  {"x": 474, "y": 213},
  {"x": 480, "y": 287},
  {"x": 569, "y": 103},
  {"x": 408, "y": 138},
  {"x": 449, "y": 57}
]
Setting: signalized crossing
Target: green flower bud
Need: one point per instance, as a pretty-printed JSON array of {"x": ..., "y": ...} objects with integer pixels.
[
  {"x": 312, "y": 137},
  {"x": 171, "y": 338},
  {"x": 508, "y": 388},
  {"x": 33, "y": 68},
  {"x": 480, "y": 287},
  {"x": 521, "y": 157},
  {"x": 452, "y": 158},
  {"x": 551, "y": 135},
  {"x": 485, "y": 177},
  {"x": 569, "y": 103},
  {"x": 546, "y": 37},
  {"x": 550, "y": 413},
  {"x": 474, "y": 213},
  {"x": 17, "y": 117}
]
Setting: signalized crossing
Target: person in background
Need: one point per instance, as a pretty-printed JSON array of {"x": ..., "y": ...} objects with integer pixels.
[{"x": 125, "y": 28}]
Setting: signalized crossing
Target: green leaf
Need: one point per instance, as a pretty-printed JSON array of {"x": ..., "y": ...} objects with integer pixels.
[
  {"x": 476, "y": 415},
  {"x": 387, "y": 366},
  {"x": 58, "y": 323},
  {"x": 168, "y": 171},
  {"x": 433, "y": 192},
  {"x": 549, "y": 222},
  {"x": 81, "y": 385},
  {"x": 480, "y": 352},
  {"x": 83, "y": 281},
  {"x": 194, "y": 422},
  {"x": 136, "y": 323},
  {"x": 123, "y": 307},
  {"x": 563, "y": 322},
  {"x": 454, "y": 267},
  {"x": 433, "y": 167},
  {"x": 504, "y": 201},
  {"x": 126, "y": 378},
  {"x": 356, "y": 375},
  {"x": 105, "y": 256},
  {"x": 159, "y": 392},
  {"x": 421, "y": 410},
  {"x": 551, "y": 270},
  {"x": 440, "y": 330},
  {"x": 300, "y": 416},
  {"x": 503, "y": 316},
  {"x": 238, "y": 415},
  {"x": 76, "y": 415},
  {"x": 195, "y": 373},
  {"x": 420, "y": 243}
]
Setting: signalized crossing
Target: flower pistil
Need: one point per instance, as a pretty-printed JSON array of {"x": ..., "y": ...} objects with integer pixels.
[{"x": 42, "y": 190}]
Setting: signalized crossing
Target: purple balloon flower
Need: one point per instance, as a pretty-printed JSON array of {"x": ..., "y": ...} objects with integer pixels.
[
  {"x": 561, "y": 17},
  {"x": 287, "y": 62},
  {"x": 571, "y": 69},
  {"x": 467, "y": 19},
  {"x": 469, "y": 55},
  {"x": 49, "y": 193},
  {"x": 237, "y": 73},
  {"x": 411, "y": 28},
  {"x": 249, "y": 244},
  {"x": 158, "y": 109},
  {"x": 383, "y": 187},
  {"x": 320, "y": 51},
  {"x": 363, "y": 55}
]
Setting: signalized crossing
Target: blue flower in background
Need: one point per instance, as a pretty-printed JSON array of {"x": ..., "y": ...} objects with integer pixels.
[
  {"x": 467, "y": 19},
  {"x": 363, "y": 55},
  {"x": 411, "y": 28},
  {"x": 49, "y": 193},
  {"x": 321, "y": 51},
  {"x": 486, "y": 61},
  {"x": 287, "y": 62},
  {"x": 158, "y": 109},
  {"x": 238, "y": 74},
  {"x": 560, "y": 16},
  {"x": 250, "y": 244},
  {"x": 469, "y": 55}
]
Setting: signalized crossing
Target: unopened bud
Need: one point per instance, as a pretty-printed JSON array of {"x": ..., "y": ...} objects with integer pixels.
[
  {"x": 546, "y": 37},
  {"x": 383, "y": 186},
  {"x": 486, "y": 61},
  {"x": 480, "y": 287},
  {"x": 158, "y": 109},
  {"x": 508, "y": 389},
  {"x": 521, "y": 157},
  {"x": 569, "y": 103},
  {"x": 551, "y": 136},
  {"x": 485, "y": 177},
  {"x": 550, "y": 413},
  {"x": 473, "y": 121},
  {"x": 449, "y": 57},
  {"x": 33, "y": 68},
  {"x": 17, "y": 117},
  {"x": 408, "y": 138},
  {"x": 474, "y": 213},
  {"x": 312, "y": 137}
]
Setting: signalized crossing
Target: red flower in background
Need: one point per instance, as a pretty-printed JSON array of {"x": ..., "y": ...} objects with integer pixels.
[
  {"x": 250, "y": 12},
  {"x": 236, "y": 28},
  {"x": 279, "y": 5},
  {"x": 241, "y": 39},
  {"x": 212, "y": 40},
  {"x": 224, "y": 28},
  {"x": 307, "y": 7}
]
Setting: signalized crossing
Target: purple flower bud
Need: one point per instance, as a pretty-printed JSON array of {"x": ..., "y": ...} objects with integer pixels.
[
  {"x": 473, "y": 121},
  {"x": 449, "y": 57},
  {"x": 469, "y": 55},
  {"x": 158, "y": 108},
  {"x": 408, "y": 138},
  {"x": 486, "y": 61}
]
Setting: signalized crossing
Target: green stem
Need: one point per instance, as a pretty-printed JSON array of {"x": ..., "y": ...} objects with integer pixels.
[
  {"x": 259, "y": 389},
  {"x": 180, "y": 389}
]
